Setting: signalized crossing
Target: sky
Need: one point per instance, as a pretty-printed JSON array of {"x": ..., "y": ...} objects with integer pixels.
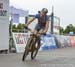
[{"x": 65, "y": 9}]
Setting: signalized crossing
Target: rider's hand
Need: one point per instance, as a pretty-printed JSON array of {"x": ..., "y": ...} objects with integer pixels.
[
  {"x": 33, "y": 31},
  {"x": 26, "y": 26},
  {"x": 44, "y": 32}
]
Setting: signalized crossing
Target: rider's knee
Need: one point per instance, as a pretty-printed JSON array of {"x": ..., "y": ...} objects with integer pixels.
[{"x": 38, "y": 35}]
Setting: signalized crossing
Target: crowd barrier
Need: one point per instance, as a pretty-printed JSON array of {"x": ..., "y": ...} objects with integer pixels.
[
  {"x": 65, "y": 41},
  {"x": 48, "y": 41},
  {"x": 62, "y": 41},
  {"x": 72, "y": 41},
  {"x": 20, "y": 40}
]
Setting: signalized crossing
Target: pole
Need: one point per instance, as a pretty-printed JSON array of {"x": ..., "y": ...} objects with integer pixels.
[
  {"x": 52, "y": 20},
  {"x": 26, "y": 20}
]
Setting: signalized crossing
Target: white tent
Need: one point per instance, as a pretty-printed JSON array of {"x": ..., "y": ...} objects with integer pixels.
[
  {"x": 17, "y": 14},
  {"x": 22, "y": 13}
]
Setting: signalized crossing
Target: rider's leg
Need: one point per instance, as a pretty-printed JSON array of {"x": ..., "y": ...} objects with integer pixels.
[
  {"x": 28, "y": 42},
  {"x": 38, "y": 38},
  {"x": 38, "y": 42}
]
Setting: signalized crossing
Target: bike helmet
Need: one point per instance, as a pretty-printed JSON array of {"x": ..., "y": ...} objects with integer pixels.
[{"x": 45, "y": 10}]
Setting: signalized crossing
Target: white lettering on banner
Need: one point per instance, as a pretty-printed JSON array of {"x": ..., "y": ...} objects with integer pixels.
[
  {"x": 20, "y": 40},
  {"x": 26, "y": 36},
  {"x": 47, "y": 42}
]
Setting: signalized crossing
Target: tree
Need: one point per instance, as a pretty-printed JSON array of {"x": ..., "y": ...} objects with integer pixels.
[
  {"x": 69, "y": 28},
  {"x": 20, "y": 27},
  {"x": 14, "y": 29},
  {"x": 74, "y": 29}
]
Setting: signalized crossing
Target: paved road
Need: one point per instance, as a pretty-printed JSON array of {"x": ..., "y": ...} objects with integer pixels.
[{"x": 64, "y": 57}]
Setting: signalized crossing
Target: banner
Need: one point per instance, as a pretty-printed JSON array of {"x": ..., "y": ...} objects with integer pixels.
[
  {"x": 20, "y": 40},
  {"x": 62, "y": 41},
  {"x": 72, "y": 41},
  {"x": 48, "y": 42}
]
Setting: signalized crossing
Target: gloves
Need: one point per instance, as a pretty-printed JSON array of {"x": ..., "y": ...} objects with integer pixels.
[
  {"x": 44, "y": 33},
  {"x": 25, "y": 26}
]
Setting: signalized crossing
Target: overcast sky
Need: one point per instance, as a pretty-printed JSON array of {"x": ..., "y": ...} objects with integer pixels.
[{"x": 65, "y": 9}]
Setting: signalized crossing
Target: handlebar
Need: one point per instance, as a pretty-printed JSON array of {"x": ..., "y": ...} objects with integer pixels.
[
  {"x": 27, "y": 28},
  {"x": 34, "y": 32}
]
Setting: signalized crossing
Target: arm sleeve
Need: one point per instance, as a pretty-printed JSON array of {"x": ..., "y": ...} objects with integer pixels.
[
  {"x": 47, "y": 18},
  {"x": 36, "y": 16}
]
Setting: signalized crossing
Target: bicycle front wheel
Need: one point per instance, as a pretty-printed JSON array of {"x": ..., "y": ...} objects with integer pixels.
[{"x": 26, "y": 52}]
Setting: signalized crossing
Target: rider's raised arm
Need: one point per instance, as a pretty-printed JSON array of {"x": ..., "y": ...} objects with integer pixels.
[{"x": 30, "y": 21}]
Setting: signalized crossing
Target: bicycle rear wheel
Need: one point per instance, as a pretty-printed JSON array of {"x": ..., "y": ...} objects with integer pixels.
[
  {"x": 35, "y": 50},
  {"x": 25, "y": 54},
  {"x": 33, "y": 54}
]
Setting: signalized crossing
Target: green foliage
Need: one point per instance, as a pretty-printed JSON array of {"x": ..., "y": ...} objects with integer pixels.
[
  {"x": 69, "y": 28},
  {"x": 14, "y": 29},
  {"x": 18, "y": 28}
]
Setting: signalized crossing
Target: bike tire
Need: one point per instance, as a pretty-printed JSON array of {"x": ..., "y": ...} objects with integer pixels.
[
  {"x": 34, "y": 55},
  {"x": 25, "y": 55},
  {"x": 26, "y": 52}
]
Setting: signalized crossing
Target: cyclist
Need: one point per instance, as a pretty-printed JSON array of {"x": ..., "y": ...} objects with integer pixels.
[{"x": 43, "y": 22}]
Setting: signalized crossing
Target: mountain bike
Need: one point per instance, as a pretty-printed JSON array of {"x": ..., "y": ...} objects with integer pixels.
[{"x": 32, "y": 46}]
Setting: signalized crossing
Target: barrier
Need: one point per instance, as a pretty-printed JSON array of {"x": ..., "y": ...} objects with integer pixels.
[
  {"x": 62, "y": 41},
  {"x": 48, "y": 42},
  {"x": 72, "y": 41},
  {"x": 20, "y": 40},
  {"x": 67, "y": 40}
]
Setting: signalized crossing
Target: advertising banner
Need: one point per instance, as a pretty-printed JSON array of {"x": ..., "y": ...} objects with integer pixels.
[
  {"x": 62, "y": 41},
  {"x": 48, "y": 42},
  {"x": 72, "y": 41},
  {"x": 20, "y": 40}
]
